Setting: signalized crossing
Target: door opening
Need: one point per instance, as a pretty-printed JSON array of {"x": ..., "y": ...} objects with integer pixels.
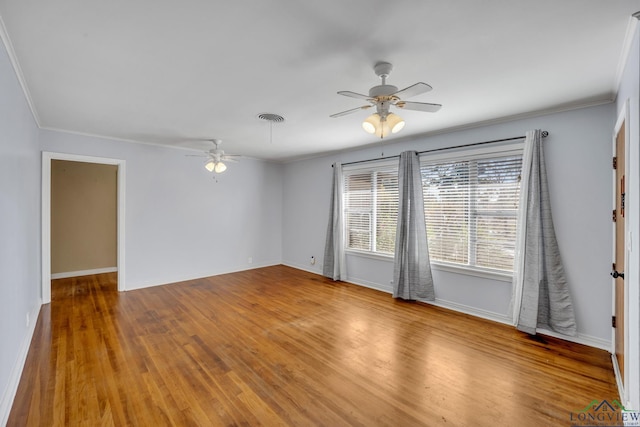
[{"x": 47, "y": 159}]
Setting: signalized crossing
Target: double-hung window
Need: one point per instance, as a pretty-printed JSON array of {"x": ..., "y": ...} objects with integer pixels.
[
  {"x": 471, "y": 205},
  {"x": 470, "y": 201},
  {"x": 371, "y": 207}
]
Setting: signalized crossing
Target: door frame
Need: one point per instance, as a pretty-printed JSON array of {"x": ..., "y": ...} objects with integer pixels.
[
  {"x": 47, "y": 157},
  {"x": 624, "y": 117}
]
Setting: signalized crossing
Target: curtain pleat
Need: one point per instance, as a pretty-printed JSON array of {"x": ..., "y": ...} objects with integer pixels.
[
  {"x": 334, "y": 265},
  {"x": 541, "y": 297},
  {"x": 412, "y": 277}
]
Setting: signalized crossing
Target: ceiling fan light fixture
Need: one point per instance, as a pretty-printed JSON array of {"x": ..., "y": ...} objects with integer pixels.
[
  {"x": 371, "y": 123},
  {"x": 210, "y": 165},
  {"x": 383, "y": 130},
  {"x": 395, "y": 122},
  {"x": 220, "y": 167}
]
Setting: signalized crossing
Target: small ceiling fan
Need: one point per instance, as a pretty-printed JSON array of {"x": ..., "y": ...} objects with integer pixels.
[
  {"x": 383, "y": 97},
  {"x": 216, "y": 157}
]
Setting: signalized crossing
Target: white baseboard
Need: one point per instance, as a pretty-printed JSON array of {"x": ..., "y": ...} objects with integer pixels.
[
  {"x": 316, "y": 269},
  {"x": 16, "y": 372},
  {"x": 79, "y": 273},
  {"x": 177, "y": 279},
  {"x": 589, "y": 340},
  {"x": 473, "y": 311}
]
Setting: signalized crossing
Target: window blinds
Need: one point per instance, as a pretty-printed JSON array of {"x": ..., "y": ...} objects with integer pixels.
[
  {"x": 371, "y": 209},
  {"x": 470, "y": 210}
]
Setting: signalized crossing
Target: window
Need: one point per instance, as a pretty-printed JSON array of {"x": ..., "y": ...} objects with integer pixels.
[
  {"x": 470, "y": 200},
  {"x": 470, "y": 209},
  {"x": 371, "y": 208}
]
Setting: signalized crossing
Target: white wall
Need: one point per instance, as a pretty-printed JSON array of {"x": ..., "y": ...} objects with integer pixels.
[
  {"x": 630, "y": 90},
  {"x": 578, "y": 153},
  {"x": 180, "y": 223},
  {"x": 19, "y": 231}
]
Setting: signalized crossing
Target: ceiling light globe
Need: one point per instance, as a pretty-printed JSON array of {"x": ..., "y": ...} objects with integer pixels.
[
  {"x": 371, "y": 123},
  {"x": 220, "y": 167},
  {"x": 395, "y": 122},
  {"x": 210, "y": 165}
]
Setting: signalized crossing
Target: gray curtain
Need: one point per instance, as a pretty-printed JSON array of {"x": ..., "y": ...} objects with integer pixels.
[
  {"x": 411, "y": 270},
  {"x": 541, "y": 292},
  {"x": 334, "y": 265}
]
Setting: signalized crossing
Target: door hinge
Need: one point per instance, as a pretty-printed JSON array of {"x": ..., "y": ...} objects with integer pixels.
[
  {"x": 613, "y": 321},
  {"x": 613, "y": 266},
  {"x": 615, "y": 163},
  {"x": 613, "y": 216}
]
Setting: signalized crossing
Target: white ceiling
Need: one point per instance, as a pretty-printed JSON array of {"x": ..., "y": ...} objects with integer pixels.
[{"x": 162, "y": 71}]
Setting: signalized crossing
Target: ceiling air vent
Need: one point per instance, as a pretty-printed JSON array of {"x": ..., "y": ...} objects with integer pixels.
[{"x": 270, "y": 117}]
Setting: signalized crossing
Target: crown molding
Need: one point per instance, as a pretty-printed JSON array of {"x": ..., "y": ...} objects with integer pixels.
[
  {"x": 626, "y": 48},
  {"x": 6, "y": 40}
]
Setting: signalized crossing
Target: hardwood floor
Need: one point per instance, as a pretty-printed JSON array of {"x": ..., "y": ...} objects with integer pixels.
[{"x": 279, "y": 346}]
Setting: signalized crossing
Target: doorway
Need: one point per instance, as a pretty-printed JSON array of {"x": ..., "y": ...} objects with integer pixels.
[
  {"x": 620, "y": 254},
  {"x": 47, "y": 158}
]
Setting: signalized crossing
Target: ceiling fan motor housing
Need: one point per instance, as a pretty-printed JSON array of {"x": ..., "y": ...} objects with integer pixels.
[{"x": 382, "y": 90}]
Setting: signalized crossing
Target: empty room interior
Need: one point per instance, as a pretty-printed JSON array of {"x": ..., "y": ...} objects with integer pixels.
[{"x": 335, "y": 213}]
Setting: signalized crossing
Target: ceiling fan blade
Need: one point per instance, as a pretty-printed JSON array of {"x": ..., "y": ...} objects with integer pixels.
[
  {"x": 353, "y": 110},
  {"x": 196, "y": 155},
  {"x": 413, "y": 90},
  {"x": 354, "y": 95},
  {"x": 229, "y": 159},
  {"x": 418, "y": 106}
]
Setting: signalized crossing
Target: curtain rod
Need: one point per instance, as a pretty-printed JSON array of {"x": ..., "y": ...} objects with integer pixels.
[{"x": 544, "y": 135}]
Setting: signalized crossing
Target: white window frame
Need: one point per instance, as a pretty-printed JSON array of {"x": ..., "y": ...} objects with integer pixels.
[
  {"x": 511, "y": 149},
  {"x": 462, "y": 154},
  {"x": 361, "y": 168}
]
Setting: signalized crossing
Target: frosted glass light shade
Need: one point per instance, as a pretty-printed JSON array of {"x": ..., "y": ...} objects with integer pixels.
[
  {"x": 210, "y": 165},
  {"x": 395, "y": 122},
  {"x": 371, "y": 123},
  {"x": 220, "y": 167}
]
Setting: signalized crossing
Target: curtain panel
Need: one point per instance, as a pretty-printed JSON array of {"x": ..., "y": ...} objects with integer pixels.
[
  {"x": 541, "y": 297},
  {"x": 334, "y": 265},
  {"x": 411, "y": 269}
]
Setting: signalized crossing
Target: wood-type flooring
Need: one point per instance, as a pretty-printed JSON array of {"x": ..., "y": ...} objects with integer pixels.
[{"x": 278, "y": 346}]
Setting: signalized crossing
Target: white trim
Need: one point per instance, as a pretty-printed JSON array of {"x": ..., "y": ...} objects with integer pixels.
[
  {"x": 297, "y": 266},
  {"x": 473, "y": 311},
  {"x": 6, "y": 401},
  {"x": 625, "y": 51},
  {"x": 46, "y": 215},
  {"x": 79, "y": 273},
  {"x": 177, "y": 279},
  {"x": 588, "y": 103},
  {"x": 368, "y": 284},
  {"x": 623, "y": 117},
  {"x": 369, "y": 254},
  {"x": 473, "y": 271},
  {"x": 587, "y": 340},
  {"x": 4, "y": 35}
]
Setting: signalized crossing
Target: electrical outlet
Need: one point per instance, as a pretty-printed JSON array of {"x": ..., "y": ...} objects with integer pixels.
[
  {"x": 313, "y": 260},
  {"x": 250, "y": 260},
  {"x": 28, "y": 320}
]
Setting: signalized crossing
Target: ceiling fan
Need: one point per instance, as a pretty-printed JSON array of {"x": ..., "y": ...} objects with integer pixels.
[
  {"x": 216, "y": 157},
  {"x": 383, "y": 97}
]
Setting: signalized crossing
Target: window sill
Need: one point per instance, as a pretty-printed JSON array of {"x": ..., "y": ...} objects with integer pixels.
[
  {"x": 468, "y": 271},
  {"x": 372, "y": 255},
  {"x": 476, "y": 272}
]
